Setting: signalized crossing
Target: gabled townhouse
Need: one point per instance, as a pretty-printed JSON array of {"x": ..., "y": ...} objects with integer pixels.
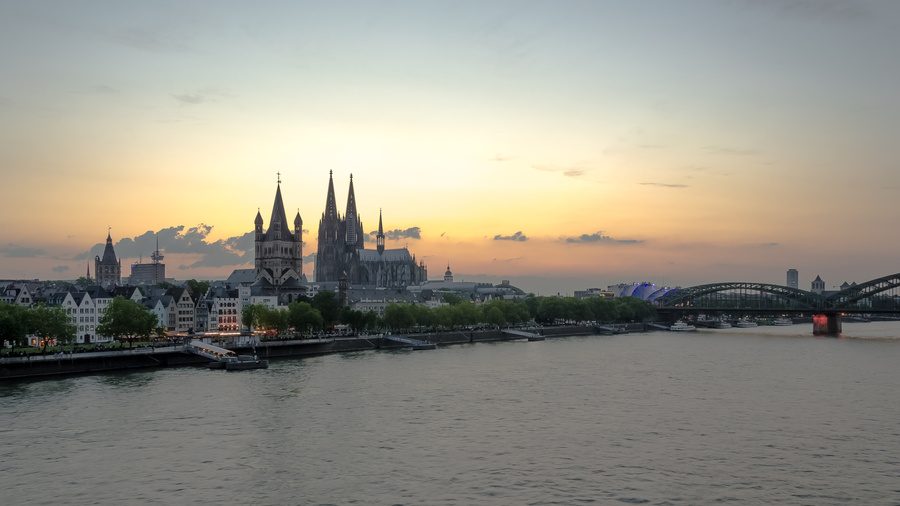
[
  {"x": 163, "y": 306},
  {"x": 201, "y": 314},
  {"x": 101, "y": 297},
  {"x": 129, "y": 292},
  {"x": 225, "y": 310},
  {"x": 83, "y": 312},
  {"x": 17, "y": 293},
  {"x": 185, "y": 309}
]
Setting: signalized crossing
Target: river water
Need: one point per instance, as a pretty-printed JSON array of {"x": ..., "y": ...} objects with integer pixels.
[{"x": 766, "y": 415}]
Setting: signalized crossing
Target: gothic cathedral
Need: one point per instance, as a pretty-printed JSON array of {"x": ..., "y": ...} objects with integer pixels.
[{"x": 342, "y": 255}]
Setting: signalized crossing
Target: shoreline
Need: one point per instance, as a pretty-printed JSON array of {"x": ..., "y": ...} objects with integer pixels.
[{"x": 51, "y": 366}]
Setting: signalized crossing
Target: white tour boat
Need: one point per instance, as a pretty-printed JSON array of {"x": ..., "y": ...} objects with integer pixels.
[{"x": 682, "y": 327}]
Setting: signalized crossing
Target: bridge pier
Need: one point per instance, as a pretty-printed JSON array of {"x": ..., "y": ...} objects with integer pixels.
[{"x": 829, "y": 323}]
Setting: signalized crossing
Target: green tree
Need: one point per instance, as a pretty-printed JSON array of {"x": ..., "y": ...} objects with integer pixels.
[
  {"x": 398, "y": 317},
  {"x": 494, "y": 316},
  {"x": 13, "y": 325},
  {"x": 452, "y": 298},
  {"x": 633, "y": 309},
  {"x": 602, "y": 310},
  {"x": 353, "y": 318},
  {"x": 371, "y": 321},
  {"x": 443, "y": 316},
  {"x": 514, "y": 312},
  {"x": 531, "y": 303},
  {"x": 83, "y": 280},
  {"x": 273, "y": 319},
  {"x": 261, "y": 316},
  {"x": 550, "y": 309},
  {"x": 51, "y": 323},
  {"x": 329, "y": 306},
  {"x": 465, "y": 314},
  {"x": 304, "y": 318},
  {"x": 250, "y": 316},
  {"x": 423, "y": 315},
  {"x": 126, "y": 320},
  {"x": 198, "y": 288}
]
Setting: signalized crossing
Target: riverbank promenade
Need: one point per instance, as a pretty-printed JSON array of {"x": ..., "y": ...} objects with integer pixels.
[{"x": 35, "y": 366}]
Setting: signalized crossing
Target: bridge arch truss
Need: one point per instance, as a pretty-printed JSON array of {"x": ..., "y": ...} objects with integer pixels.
[
  {"x": 741, "y": 296},
  {"x": 877, "y": 295}
]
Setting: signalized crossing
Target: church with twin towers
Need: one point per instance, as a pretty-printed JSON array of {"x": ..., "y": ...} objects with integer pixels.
[{"x": 341, "y": 254}]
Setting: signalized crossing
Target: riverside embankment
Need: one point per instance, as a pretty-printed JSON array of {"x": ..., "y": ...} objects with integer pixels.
[{"x": 174, "y": 356}]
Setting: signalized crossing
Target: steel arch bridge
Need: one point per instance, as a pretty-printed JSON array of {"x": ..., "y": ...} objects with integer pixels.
[{"x": 880, "y": 295}]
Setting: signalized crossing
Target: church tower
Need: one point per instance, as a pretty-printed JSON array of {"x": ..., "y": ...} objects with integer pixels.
[
  {"x": 279, "y": 252},
  {"x": 108, "y": 270}
]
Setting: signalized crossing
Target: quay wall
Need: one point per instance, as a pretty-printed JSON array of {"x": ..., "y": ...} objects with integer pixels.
[{"x": 51, "y": 365}]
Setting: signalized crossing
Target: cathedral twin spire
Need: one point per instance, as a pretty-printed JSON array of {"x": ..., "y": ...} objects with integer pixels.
[
  {"x": 351, "y": 215},
  {"x": 330, "y": 201}
]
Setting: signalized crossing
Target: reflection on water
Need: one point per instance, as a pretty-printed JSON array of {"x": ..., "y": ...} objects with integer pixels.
[
  {"x": 765, "y": 415},
  {"x": 134, "y": 379}
]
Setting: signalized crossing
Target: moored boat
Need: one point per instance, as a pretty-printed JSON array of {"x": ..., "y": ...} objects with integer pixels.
[
  {"x": 239, "y": 363},
  {"x": 745, "y": 324},
  {"x": 682, "y": 327},
  {"x": 782, "y": 322}
]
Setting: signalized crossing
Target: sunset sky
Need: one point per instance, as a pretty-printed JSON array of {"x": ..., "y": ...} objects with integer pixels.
[{"x": 560, "y": 145}]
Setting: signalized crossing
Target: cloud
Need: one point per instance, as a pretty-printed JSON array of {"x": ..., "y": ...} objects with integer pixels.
[
  {"x": 518, "y": 236},
  {"x": 104, "y": 90},
  {"x": 575, "y": 170},
  {"x": 500, "y": 158},
  {"x": 202, "y": 96},
  {"x": 15, "y": 251},
  {"x": 769, "y": 244},
  {"x": 598, "y": 237},
  {"x": 59, "y": 269},
  {"x": 192, "y": 99},
  {"x": 237, "y": 250},
  {"x": 720, "y": 150},
  {"x": 665, "y": 185},
  {"x": 397, "y": 234},
  {"x": 505, "y": 260}
]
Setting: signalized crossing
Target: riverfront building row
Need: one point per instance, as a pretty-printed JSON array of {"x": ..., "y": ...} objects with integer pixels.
[{"x": 365, "y": 279}]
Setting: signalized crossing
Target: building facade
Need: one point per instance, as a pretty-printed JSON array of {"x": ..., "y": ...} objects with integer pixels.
[
  {"x": 793, "y": 278},
  {"x": 818, "y": 286}
]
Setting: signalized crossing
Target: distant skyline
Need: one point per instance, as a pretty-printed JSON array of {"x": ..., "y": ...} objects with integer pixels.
[{"x": 561, "y": 146}]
